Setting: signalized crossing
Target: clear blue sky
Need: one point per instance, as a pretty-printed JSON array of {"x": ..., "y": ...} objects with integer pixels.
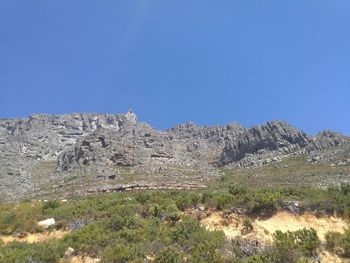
[{"x": 210, "y": 62}]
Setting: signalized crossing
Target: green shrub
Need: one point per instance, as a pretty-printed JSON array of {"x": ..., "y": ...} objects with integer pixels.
[
  {"x": 346, "y": 243},
  {"x": 265, "y": 200},
  {"x": 339, "y": 243},
  {"x": 236, "y": 189},
  {"x": 214, "y": 238},
  {"x": 91, "y": 238},
  {"x": 187, "y": 200},
  {"x": 345, "y": 188},
  {"x": 291, "y": 246},
  {"x": 168, "y": 255},
  {"x": 52, "y": 204},
  {"x": 333, "y": 240},
  {"x": 183, "y": 230},
  {"x": 247, "y": 224},
  {"x": 255, "y": 259},
  {"x": 171, "y": 213},
  {"x": 266, "y": 257},
  {"x": 307, "y": 240},
  {"x": 285, "y": 246},
  {"x": 143, "y": 197},
  {"x": 118, "y": 222},
  {"x": 118, "y": 252},
  {"x": 224, "y": 200},
  {"x": 131, "y": 236},
  {"x": 208, "y": 198},
  {"x": 206, "y": 251},
  {"x": 152, "y": 227},
  {"x": 50, "y": 251},
  {"x": 340, "y": 197}
]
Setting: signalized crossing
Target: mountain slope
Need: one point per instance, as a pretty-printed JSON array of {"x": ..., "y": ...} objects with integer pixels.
[{"x": 43, "y": 151}]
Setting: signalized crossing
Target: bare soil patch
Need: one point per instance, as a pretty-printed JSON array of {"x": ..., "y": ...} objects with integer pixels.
[
  {"x": 263, "y": 229},
  {"x": 36, "y": 237}
]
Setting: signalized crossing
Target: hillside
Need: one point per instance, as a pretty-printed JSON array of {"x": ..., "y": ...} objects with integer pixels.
[
  {"x": 224, "y": 223},
  {"x": 59, "y": 155}
]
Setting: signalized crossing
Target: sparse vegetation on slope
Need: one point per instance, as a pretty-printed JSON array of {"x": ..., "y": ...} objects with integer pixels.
[{"x": 129, "y": 227}]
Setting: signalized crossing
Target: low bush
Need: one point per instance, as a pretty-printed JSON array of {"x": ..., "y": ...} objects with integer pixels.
[
  {"x": 208, "y": 199},
  {"x": 291, "y": 246},
  {"x": 224, "y": 200},
  {"x": 187, "y": 200},
  {"x": 265, "y": 200},
  {"x": 247, "y": 224},
  {"x": 236, "y": 189},
  {"x": 52, "y": 204},
  {"x": 49, "y": 251},
  {"x": 168, "y": 255},
  {"x": 206, "y": 252},
  {"x": 339, "y": 243},
  {"x": 119, "y": 252},
  {"x": 90, "y": 239}
]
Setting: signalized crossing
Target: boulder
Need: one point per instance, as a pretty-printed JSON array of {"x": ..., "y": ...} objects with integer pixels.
[{"x": 47, "y": 223}]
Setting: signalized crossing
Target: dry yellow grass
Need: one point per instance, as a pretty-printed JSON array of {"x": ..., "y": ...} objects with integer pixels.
[
  {"x": 263, "y": 229},
  {"x": 36, "y": 237},
  {"x": 81, "y": 259},
  {"x": 330, "y": 258},
  {"x": 283, "y": 221},
  {"x": 289, "y": 222}
]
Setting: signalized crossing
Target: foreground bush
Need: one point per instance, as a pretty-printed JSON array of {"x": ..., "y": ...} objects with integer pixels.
[
  {"x": 339, "y": 243},
  {"x": 168, "y": 255},
  {"x": 291, "y": 246},
  {"x": 15, "y": 252}
]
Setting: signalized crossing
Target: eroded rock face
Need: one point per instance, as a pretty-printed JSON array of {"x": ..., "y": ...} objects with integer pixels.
[
  {"x": 75, "y": 145},
  {"x": 42, "y": 137},
  {"x": 191, "y": 144},
  {"x": 273, "y": 137}
]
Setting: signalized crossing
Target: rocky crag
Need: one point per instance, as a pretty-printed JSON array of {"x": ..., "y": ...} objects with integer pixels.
[{"x": 45, "y": 152}]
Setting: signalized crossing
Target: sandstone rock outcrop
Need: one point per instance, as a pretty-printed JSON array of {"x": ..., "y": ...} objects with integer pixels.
[
  {"x": 53, "y": 147},
  {"x": 42, "y": 137}
]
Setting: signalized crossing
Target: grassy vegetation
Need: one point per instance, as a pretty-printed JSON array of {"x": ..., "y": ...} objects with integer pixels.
[
  {"x": 339, "y": 243},
  {"x": 128, "y": 227},
  {"x": 291, "y": 172},
  {"x": 226, "y": 193},
  {"x": 290, "y": 246}
]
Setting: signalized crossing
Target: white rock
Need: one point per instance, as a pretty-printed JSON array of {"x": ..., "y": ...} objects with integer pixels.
[
  {"x": 201, "y": 207},
  {"x": 69, "y": 252},
  {"x": 47, "y": 223}
]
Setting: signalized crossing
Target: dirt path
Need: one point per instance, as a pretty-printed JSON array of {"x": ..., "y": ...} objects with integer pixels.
[{"x": 36, "y": 237}]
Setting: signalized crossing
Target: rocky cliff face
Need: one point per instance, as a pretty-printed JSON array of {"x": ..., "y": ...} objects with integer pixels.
[
  {"x": 78, "y": 145},
  {"x": 26, "y": 142}
]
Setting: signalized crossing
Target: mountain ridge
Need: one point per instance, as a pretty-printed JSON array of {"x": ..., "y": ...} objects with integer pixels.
[{"x": 100, "y": 145}]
